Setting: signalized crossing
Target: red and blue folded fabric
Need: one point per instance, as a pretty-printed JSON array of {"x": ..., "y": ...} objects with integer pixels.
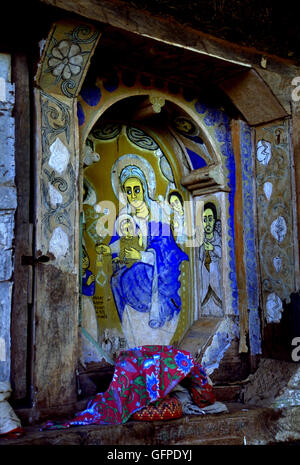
[{"x": 142, "y": 375}]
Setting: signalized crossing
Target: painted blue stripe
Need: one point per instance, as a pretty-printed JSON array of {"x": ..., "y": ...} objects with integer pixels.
[
  {"x": 250, "y": 257},
  {"x": 221, "y": 123}
]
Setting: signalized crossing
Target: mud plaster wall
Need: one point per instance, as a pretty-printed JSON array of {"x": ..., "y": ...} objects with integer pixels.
[{"x": 8, "y": 203}]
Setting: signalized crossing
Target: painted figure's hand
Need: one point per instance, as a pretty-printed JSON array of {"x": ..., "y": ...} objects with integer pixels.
[
  {"x": 102, "y": 248},
  {"x": 133, "y": 254},
  {"x": 90, "y": 280}
]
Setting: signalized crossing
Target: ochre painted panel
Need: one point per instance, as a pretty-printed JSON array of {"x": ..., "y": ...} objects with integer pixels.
[{"x": 136, "y": 275}]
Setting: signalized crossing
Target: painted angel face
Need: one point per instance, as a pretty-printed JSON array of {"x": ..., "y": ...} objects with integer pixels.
[
  {"x": 85, "y": 262},
  {"x": 134, "y": 190},
  {"x": 208, "y": 221},
  {"x": 176, "y": 204}
]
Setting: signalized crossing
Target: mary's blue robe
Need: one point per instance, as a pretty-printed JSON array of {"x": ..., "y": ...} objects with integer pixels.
[{"x": 134, "y": 285}]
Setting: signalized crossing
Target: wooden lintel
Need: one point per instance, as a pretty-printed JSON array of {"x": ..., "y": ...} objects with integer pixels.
[
  {"x": 119, "y": 14},
  {"x": 196, "y": 176},
  {"x": 209, "y": 190},
  {"x": 200, "y": 185},
  {"x": 253, "y": 98}
]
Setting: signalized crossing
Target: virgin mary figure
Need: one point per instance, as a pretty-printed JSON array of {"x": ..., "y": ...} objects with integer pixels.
[{"x": 146, "y": 294}]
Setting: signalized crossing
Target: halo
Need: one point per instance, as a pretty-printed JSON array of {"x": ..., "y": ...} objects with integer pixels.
[
  {"x": 131, "y": 159},
  {"x": 175, "y": 192}
]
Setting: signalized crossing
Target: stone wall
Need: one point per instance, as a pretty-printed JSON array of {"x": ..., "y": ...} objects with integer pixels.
[
  {"x": 276, "y": 385},
  {"x": 8, "y": 203}
]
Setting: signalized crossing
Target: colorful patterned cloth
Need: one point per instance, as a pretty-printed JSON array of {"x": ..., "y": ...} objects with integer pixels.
[{"x": 142, "y": 375}]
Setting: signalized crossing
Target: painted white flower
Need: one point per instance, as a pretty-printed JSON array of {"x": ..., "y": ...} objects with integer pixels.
[
  {"x": 274, "y": 308},
  {"x": 66, "y": 60},
  {"x": 59, "y": 243},
  {"x": 279, "y": 228},
  {"x": 264, "y": 151}
]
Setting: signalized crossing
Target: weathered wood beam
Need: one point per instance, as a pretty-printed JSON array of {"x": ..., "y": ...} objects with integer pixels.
[
  {"x": 253, "y": 98},
  {"x": 22, "y": 298},
  {"x": 239, "y": 239},
  {"x": 197, "y": 177},
  {"x": 118, "y": 14},
  {"x": 201, "y": 182},
  {"x": 248, "y": 91}
]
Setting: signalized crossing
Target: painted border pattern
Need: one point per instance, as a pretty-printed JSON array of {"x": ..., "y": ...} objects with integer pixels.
[
  {"x": 66, "y": 57},
  {"x": 275, "y": 217}
]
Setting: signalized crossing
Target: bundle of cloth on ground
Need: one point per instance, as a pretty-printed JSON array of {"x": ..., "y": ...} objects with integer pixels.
[{"x": 143, "y": 375}]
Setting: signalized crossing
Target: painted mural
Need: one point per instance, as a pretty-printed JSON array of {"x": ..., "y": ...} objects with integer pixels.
[
  {"x": 210, "y": 257},
  {"x": 135, "y": 264},
  {"x": 177, "y": 219},
  {"x": 163, "y": 155}
]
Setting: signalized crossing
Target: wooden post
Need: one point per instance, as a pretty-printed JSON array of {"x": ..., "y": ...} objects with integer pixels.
[
  {"x": 22, "y": 290},
  {"x": 56, "y": 251}
]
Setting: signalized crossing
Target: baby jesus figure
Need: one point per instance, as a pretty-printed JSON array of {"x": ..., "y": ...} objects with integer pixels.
[{"x": 129, "y": 240}]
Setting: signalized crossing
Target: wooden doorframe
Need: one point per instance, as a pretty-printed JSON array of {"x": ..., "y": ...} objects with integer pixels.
[
  {"x": 56, "y": 214},
  {"x": 21, "y": 315}
]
